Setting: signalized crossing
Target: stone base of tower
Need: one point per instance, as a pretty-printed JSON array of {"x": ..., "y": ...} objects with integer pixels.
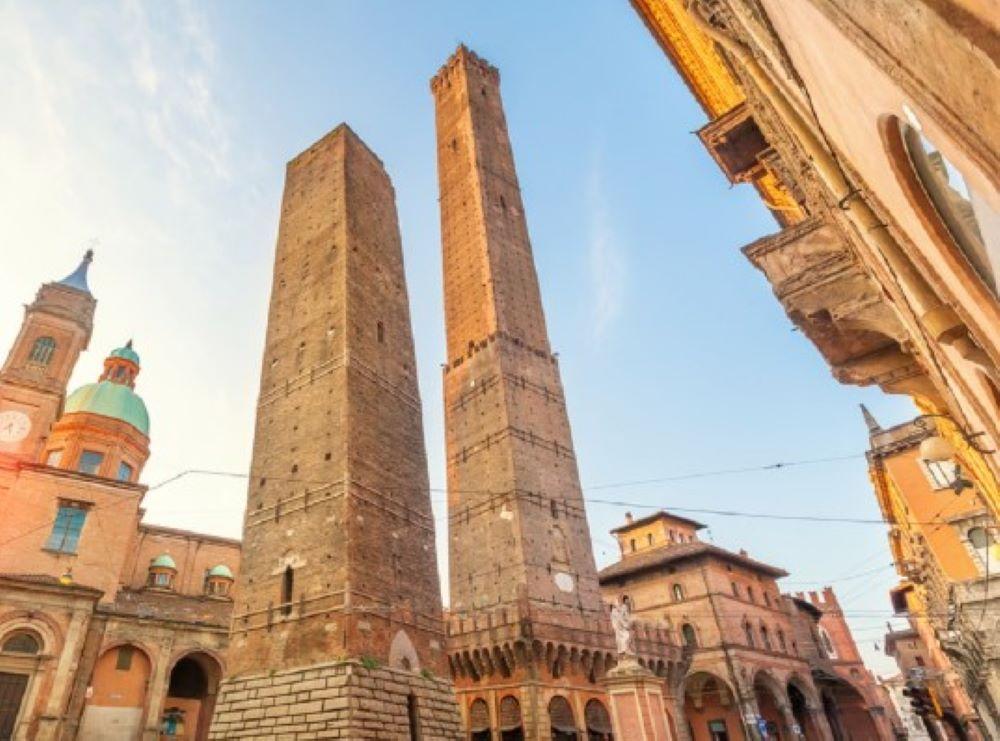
[{"x": 342, "y": 699}]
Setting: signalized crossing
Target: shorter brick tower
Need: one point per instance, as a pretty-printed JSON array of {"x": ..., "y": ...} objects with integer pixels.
[
  {"x": 337, "y": 624},
  {"x": 56, "y": 329}
]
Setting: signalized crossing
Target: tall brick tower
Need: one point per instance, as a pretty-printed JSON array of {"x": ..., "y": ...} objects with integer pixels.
[
  {"x": 338, "y": 591},
  {"x": 528, "y": 626}
]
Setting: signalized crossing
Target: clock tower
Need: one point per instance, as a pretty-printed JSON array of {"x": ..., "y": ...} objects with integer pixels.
[{"x": 56, "y": 328}]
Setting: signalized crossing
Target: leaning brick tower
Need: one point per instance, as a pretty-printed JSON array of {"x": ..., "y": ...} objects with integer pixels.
[
  {"x": 337, "y": 626},
  {"x": 529, "y": 637}
]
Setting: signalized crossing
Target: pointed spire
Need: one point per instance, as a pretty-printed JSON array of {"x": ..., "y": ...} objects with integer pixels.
[
  {"x": 870, "y": 421},
  {"x": 78, "y": 278}
]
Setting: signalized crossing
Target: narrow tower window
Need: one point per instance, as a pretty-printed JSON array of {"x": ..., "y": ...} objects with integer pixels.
[
  {"x": 287, "y": 583},
  {"x": 380, "y": 331},
  {"x": 41, "y": 351}
]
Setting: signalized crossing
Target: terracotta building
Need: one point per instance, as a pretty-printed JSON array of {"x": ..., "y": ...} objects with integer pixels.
[
  {"x": 529, "y": 637},
  {"x": 339, "y": 594},
  {"x": 763, "y": 662},
  {"x": 943, "y": 542},
  {"x": 109, "y": 628},
  {"x": 878, "y": 159}
]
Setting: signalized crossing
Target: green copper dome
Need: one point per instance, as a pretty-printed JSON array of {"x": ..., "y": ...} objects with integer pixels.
[
  {"x": 221, "y": 570},
  {"x": 126, "y": 353},
  {"x": 163, "y": 561},
  {"x": 110, "y": 400}
]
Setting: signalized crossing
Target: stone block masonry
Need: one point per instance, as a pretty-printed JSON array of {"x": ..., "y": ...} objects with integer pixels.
[{"x": 344, "y": 700}]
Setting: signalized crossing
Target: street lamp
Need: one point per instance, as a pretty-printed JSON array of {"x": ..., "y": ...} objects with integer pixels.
[{"x": 936, "y": 448}]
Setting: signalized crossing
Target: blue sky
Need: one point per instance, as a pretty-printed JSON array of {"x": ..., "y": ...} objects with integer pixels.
[{"x": 162, "y": 130}]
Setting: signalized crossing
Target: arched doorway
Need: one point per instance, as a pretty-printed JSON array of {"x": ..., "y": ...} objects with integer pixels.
[
  {"x": 19, "y": 652},
  {"x": 595, "y": 715},
  {"x": 116, "y": 706},
  {"x": 561, "y": 722},
  {"x": 770, "y": 697},
  {"x": 511, "y": 725},
  {"x": 479, "y": 721},
  {"x": 187, "y": 709},
  {"x": 710, "y": 712}
]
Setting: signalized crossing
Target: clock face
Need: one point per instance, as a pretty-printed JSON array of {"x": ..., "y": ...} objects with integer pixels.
[{"x": 14, "y": 426}]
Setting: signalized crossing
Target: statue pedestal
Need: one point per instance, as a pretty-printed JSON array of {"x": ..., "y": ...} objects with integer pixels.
[{"x": 636, "y": 696}]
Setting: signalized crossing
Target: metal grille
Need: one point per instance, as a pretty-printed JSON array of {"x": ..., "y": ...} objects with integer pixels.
[
  {"x": 561, "y": 715},
  {"x": 479, "y": 717},
  {"x": 510, "y": 713},
  {"x": 597, "y": 717}
]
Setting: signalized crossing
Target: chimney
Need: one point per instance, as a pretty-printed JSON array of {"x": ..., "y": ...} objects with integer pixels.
[{"x": 628, "y": 518}]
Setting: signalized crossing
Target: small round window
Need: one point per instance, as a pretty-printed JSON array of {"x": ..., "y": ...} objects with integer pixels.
[{"x": 972, "y": 222}]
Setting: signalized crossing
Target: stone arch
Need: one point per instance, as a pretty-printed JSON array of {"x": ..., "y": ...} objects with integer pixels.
[
  {"x": 35, "y": 622},
  {"x": 766, "y": 680},
  {"x": 118, "y": 701},
  {"x": 402, "y": 654},
  {"x": 772, "y": 701},
  {"x": 30, "y": 639},
  {"x": 806, "y": 706},
  {"x": 707, "y": 704},
  {"x": 193, "y": 683}
]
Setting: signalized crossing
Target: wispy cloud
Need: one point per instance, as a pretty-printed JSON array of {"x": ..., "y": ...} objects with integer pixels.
[
  {"x": 119, "y": 125},
  {"x": 606, "y": 257}
]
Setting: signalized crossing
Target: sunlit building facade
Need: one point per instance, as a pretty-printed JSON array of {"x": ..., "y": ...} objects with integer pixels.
[
  {"x": 877, "y": 157},
  {"x": 110, "y": 628},
  {"x": 943, "y": 543},
  {"x": 764, "y": 664}
]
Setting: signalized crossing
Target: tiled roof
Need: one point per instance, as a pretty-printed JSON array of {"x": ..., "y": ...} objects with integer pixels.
[
  {"x": 656, "y": 557},
  {"x": 656, "y": 516}
]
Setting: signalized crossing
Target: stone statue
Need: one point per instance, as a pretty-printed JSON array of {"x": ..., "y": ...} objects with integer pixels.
[{"x": 621, "y": 622}]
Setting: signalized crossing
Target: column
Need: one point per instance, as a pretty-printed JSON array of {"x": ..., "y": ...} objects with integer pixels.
[{"x": 157, "y": 691}]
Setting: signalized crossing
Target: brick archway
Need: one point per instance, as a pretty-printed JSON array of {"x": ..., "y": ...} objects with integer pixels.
[
  {"x": 191, "y": 693},
  {"x": 707, "y": 704}
]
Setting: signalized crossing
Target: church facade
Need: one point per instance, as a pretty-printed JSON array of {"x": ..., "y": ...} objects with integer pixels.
[{"x": 110, "y": 628}]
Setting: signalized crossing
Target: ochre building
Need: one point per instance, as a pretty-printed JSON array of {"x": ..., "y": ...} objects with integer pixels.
[
  {"x": 944, "y": 544},
  {"x": 869, "y": 130},
  {"x": 763, "y": 662},
  {"x": 529, "y": 636},
  {"x": 337, "y": 630},
  {"x": 110, "y": 628}
]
